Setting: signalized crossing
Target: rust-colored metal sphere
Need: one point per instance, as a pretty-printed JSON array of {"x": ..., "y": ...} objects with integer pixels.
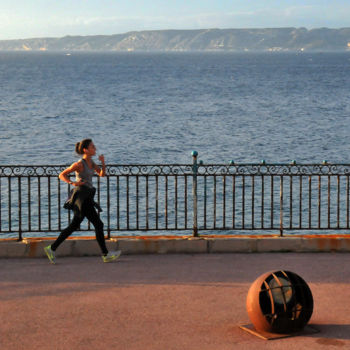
[{"x": 279, "y": 302}]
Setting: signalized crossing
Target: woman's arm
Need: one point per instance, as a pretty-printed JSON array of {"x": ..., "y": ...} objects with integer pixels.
[
  {"x": 74, "y": 167},
  {"x": 99, "y": 171}
]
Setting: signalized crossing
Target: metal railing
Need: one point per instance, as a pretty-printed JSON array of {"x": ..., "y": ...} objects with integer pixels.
[{"x": 192, "y": 197}]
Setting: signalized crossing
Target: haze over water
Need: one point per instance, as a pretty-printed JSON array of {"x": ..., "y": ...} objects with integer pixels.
[{"x": 158, "y": 107}]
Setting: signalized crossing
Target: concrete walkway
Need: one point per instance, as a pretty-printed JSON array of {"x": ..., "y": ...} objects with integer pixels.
[{"x": 162, "y": 301}]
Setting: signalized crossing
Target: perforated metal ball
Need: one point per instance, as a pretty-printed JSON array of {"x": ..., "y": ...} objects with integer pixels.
[{"x": 279, "y": 302}]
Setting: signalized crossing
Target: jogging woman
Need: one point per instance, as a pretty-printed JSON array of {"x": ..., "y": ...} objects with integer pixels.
[{"x": 81, "y": 200}]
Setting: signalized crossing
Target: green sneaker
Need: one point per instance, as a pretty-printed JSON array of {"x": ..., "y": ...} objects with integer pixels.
[
  {"x": 50, "y": 254},
  {"x": 111, "y": 256}
]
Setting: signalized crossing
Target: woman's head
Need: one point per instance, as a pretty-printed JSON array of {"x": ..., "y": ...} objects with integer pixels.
[{"x": 83, "y": 146}]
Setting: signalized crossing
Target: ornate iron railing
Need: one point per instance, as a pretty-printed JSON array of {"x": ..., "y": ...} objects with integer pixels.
[{"x": 193, "y": 197}]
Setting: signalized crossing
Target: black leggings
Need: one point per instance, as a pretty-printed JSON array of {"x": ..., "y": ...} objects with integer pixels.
[{"x": 88, "y": 210}]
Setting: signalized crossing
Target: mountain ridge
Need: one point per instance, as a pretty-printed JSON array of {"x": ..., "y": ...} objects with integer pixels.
[{"x": 214, "y": 39}]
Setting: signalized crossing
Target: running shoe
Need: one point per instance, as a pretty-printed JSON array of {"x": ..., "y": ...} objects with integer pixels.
[
  {"x": 111, "y": 256},
  {"x": 50, "y": 254}
]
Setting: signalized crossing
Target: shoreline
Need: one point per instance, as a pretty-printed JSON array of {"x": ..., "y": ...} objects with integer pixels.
[{"x": 87, "y": 246}]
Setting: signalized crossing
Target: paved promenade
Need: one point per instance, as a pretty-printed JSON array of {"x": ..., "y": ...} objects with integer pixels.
[{"x": 175, "y": 301}]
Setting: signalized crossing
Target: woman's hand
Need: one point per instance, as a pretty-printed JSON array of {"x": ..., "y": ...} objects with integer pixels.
[
  {"x": 78, "y": 183},
  {"x": 101, "y": 158},
  {"x": 101, "y": 172}
]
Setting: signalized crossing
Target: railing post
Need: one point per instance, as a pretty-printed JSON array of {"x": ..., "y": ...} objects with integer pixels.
[
  {"x": 108, "y": 209},
  {"x": 19, "y": 210},
  {"x": 194, "y": 193},
  {"x": 281, "y": 206}
]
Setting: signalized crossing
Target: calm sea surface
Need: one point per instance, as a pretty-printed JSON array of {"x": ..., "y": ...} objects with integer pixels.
[{"x": 158, "y": 107}]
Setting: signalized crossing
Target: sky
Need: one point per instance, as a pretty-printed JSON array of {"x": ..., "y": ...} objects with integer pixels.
[{"x": 20, "y": 19}]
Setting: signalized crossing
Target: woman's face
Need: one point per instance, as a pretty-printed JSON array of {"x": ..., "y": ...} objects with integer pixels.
[{"x": 91, "y": 150}]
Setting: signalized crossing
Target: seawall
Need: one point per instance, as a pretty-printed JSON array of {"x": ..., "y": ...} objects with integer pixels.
[{"x": 87, "y": 246}]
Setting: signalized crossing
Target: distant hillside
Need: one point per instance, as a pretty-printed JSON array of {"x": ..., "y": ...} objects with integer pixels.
[{"x": 276, "y": 39}]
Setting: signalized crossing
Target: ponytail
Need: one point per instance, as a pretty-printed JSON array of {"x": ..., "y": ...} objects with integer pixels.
[{"x": 79, "y": 146}]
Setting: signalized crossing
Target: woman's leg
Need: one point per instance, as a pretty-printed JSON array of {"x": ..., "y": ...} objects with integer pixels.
[
  {"x": 91, "y": 214},
  {"x": 74, "y": 225}
]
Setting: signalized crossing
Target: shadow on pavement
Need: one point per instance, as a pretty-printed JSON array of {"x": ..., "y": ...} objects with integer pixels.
[{"x": 330, "y": 334}]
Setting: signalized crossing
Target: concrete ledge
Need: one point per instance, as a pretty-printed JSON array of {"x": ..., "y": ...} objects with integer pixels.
[
  {"x": 278, "y": 244},
  {"x": 231, "y": 245},
  {"x": 13, "y": 250},
  {"x": 34, "y": 248},
  {"x": 88, "y": 247},
  {"x": 162, "y": 246},
  {"x": 323, "y": 244}
]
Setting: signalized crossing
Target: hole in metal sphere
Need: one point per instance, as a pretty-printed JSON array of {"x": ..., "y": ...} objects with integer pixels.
[{"x": 282, "y": 291}]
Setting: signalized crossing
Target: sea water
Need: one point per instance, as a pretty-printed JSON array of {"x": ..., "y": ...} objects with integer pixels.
[{"x": 158, "y": 107}]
